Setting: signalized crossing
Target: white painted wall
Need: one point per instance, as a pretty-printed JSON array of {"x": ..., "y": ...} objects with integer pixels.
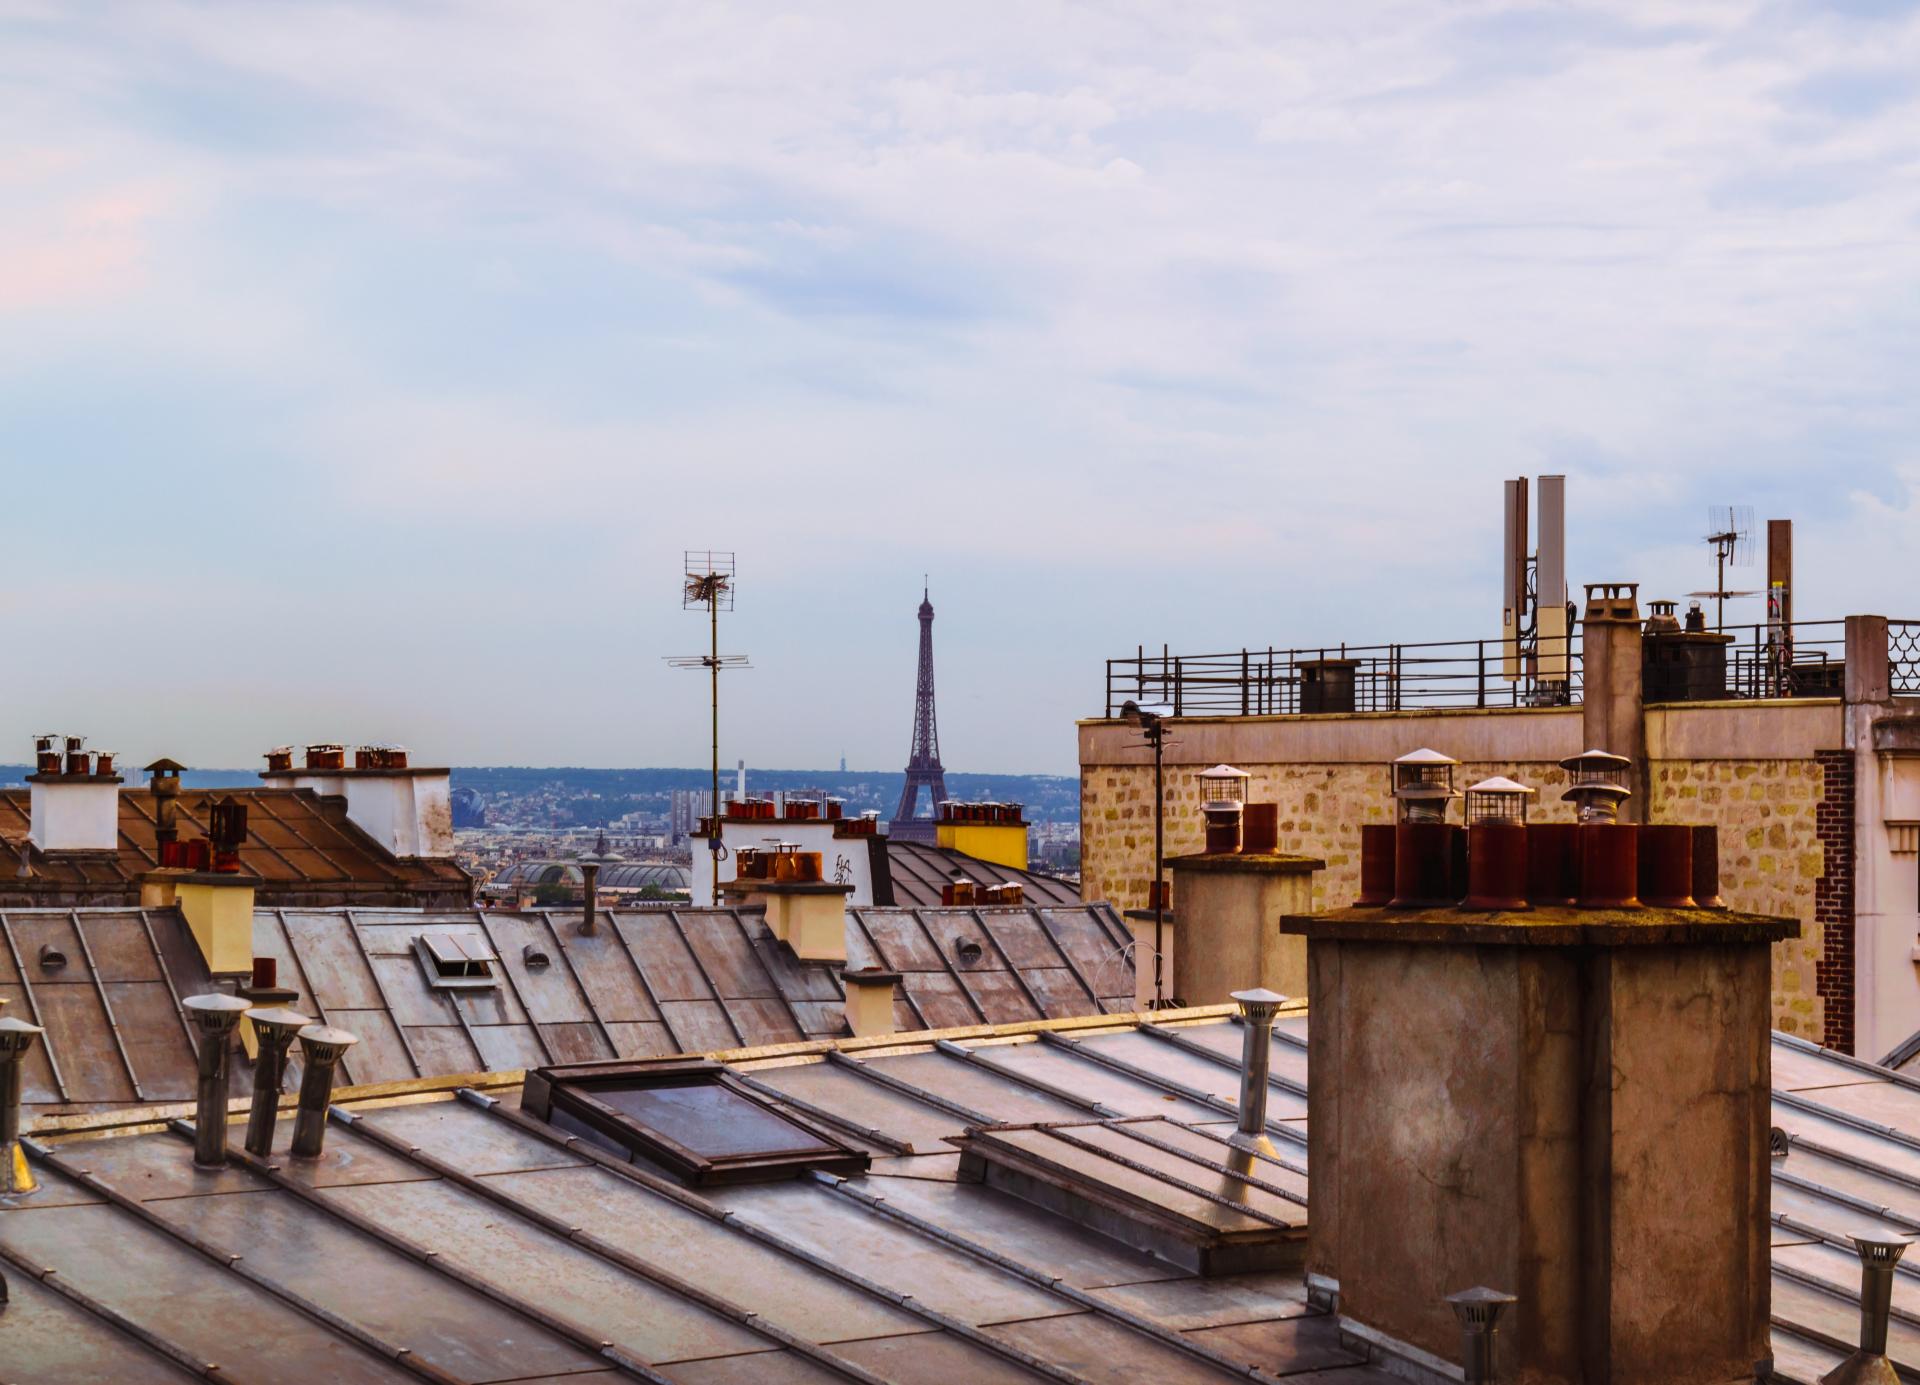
[
  {"x": 850, "y": 855},
  {"x": 408, "y": 813},
  {"x": 1886, "y": 904},
  {"x": 75, "y": 815}
]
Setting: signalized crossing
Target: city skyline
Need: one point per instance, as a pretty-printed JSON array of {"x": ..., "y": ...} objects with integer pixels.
[{"x": 364, "y": 373}]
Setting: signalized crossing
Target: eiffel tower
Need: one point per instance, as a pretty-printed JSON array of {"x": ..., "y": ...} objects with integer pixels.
[{"x": 923, "y": 764}]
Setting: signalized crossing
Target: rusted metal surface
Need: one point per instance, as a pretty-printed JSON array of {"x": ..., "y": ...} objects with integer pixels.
[{"x": 302, "y": 847}]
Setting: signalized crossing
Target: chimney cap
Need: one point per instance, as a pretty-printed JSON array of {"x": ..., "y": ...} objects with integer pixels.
[
  {"x": 165, "y": 766},
  {"x": 1592, "y": 760},
  {"x": 1425, "y": 756},
  {"x": 217, "y": 1013},
  {"x": 279, "y": 1020},
  {"x": 1499, "y": 784},
  {"x": 324, "y": 1042},
  {"x": 17, "y": 1035}
]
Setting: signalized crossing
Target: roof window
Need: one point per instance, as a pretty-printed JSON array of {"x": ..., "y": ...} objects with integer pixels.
[
  {"x": 688, "y": 1116},
  {"x": 455, "y": 961}
]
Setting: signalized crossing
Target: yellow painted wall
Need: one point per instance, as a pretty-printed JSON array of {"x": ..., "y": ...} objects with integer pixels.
[
  {"x": 221, "y": 917},
  {"x": 1003, "y": 844}
]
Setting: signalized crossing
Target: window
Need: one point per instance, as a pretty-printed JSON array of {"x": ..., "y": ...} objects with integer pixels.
[
  {"x": 455, "y": 961},
  {"x": 689, "y": 1117}
]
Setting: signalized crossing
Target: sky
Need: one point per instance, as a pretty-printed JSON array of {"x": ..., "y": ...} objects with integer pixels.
[{"x": 366, "y": 369}]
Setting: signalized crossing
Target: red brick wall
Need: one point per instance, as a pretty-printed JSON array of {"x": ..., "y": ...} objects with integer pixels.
[{"x": 1833, "y": 897}]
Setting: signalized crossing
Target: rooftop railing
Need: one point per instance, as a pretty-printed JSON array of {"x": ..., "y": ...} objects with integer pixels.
[
  {"x": 1804, "y": 659},
  {"x": 1903, "y": 657}
]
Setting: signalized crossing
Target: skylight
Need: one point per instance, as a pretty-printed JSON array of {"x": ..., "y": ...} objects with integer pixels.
[{"x": 689, "y": 1116}]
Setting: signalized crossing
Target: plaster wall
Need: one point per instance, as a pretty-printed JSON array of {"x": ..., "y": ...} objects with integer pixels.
[
  {"x": 1230, "y": 940},
  {"x": 844, "y": 860},
  {"x": 79, "y": 815}
]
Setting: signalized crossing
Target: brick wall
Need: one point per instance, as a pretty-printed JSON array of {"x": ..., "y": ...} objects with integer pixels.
[{"x": 1833, "y": 900}]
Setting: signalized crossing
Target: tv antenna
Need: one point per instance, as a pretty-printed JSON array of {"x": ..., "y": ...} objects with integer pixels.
[
  {"x": 1730, "y": 531},
  {"x": 709, "y": 587}
]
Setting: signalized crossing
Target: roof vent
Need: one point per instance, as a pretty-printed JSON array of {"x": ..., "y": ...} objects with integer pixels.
[{"x": 455, "y": 962}]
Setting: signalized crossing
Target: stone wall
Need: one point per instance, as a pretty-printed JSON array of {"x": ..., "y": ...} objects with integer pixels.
[
  {"x": 1771, "y": 858},
  {"x": 1755, "y": 770}
]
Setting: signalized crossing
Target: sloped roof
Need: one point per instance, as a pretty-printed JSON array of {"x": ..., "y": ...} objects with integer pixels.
[
  {"x": 301, "y": 845},
  {"x": 543, "y": 1249},
  {"x": 652, "y": 982},
  {"x": 919, "y": 870},
  {"x": 106, "y": 986},
  {"x": 466, "y": 1236}
]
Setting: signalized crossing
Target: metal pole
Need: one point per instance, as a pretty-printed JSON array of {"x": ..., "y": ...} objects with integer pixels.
[
  {"x": 1159, "y": 866},
  {"x": 713, "y": 666},
  {"x": 16, "y": 1037}
]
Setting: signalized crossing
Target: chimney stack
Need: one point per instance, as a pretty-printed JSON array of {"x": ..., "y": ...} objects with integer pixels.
[
  {"x": 275, "y": 1029},
  {"x": 74, "y": 805},
  {"x": 870, "y": 995},
  {"x": 163, "y": 782},
  {"x": 321, "y": 1047},
  {"x": 215, "y": 1017},
  {"x": 16, "y": 1037},
  {"x": 407, "y": 809}
]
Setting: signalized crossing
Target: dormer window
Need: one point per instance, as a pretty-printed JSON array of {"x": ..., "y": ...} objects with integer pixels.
[{"x": 455, "y": 961}]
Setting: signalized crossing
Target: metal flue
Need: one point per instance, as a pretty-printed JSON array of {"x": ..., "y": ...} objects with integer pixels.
[
  {"x": 275, "y": 1028},
  {"x": 1478, "y": 1311},
  {"x": 320, "y": 1048},
  {"x": 1869, "y": 1365},
  {"x": 16, "y": 1037},
  {"x": 215, "y": 1017},
  {"x": 1257, "y": 1009}
]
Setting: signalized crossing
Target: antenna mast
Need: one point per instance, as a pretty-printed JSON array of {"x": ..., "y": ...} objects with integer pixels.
[
  {"x": 1731, "y": 534},
  {"x": 709, "y": 586}
]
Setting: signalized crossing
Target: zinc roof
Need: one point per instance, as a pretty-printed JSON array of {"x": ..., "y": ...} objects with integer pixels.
[
  {"x": 106, "y": 984},
  {"x": 458, "y": 1238},
  {"x": 919, "y": 870}
]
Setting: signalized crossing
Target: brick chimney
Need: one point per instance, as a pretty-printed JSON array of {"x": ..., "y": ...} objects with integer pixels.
[
  {"x": 1564, "y": 1104},
  {"x": 405, "y": 808},
  {"x": 74, "y": 798}
]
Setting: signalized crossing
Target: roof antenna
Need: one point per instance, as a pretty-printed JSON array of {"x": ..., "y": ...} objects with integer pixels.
[{"x": 1731, "y": 535}]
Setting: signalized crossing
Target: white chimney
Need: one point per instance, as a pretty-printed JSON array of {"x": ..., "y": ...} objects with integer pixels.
[
  {"x": 74, "y": 799},
  {"x": 407, "y": 809}
]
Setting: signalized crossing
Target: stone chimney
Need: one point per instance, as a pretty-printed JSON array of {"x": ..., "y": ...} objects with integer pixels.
[
  {"x": 1564, "y": 1104},
  {"x": 1226, "y": 936},
  {"x": 1611, "y": 657},
  {"x": 407, "y": 809},
  {"x": 74, "y": 798}
]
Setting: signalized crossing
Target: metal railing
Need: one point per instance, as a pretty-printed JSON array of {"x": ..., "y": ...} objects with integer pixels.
[
  {"x": 1381, "y": 678},
  {"x": 1804, "y": 659},
  {"x": 1903, "y": 657}
]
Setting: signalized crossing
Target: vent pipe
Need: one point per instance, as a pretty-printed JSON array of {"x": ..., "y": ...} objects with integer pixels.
[
  {"x": 321, "y": 1047},
  {"x": 215, "y": 1017},
  {"x": 590, "y": 878},
  {"x": 275, "y": 1028},
  {"x": 1478, "y": 1312},
  {"x": 1869, "y": 1365},
  {"x": 16, "y": 1037},
  {"x": 1257, "y": 1009}
]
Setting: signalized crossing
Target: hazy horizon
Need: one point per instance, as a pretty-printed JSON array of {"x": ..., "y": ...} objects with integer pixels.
[{"x": 364, "y": 370}]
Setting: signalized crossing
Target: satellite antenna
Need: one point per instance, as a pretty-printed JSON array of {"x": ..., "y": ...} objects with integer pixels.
[
  {"x": 1730, "y": 531},
  {"x": 709, "y": 587}
]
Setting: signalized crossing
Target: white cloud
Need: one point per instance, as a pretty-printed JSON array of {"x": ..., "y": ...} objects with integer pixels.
[{"x": 1093, "y": 287}]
